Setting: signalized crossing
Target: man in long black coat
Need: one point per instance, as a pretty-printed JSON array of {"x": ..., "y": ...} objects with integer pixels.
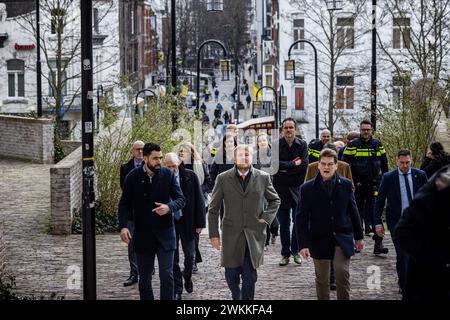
[
  {"x": 153, "y": 195},
  {"x": 190, "y": 220},
  {"x": 125, "y": 169},
  {"x": 328, "y": 226}
]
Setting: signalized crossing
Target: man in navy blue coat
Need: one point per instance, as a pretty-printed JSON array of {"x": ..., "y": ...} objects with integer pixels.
[
  {"x": 152, "y": 195},
  {"x": 399, "y": 187},
  {"x": 328, "y": 226}
]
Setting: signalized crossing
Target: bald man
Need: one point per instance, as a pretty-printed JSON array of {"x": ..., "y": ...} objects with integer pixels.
[
  {"x": 188, "y": 221},
  {"x": 315, "y": 147},
  {"x": 125, "y": 169}
]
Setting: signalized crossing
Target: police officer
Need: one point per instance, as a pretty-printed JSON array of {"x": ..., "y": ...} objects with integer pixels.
[
  {"x": 315, "y": 147},
  {"x": 368, "y": 161}
]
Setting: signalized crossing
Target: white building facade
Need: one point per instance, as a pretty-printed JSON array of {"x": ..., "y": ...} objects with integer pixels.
[{"x": 18, "y": 56}]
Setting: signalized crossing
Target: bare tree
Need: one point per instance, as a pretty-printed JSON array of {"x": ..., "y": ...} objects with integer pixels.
[
  {"x": 60, "y": 45},
  {"x": 335, "y": 37},
  {"x": 420, "y": 57}
]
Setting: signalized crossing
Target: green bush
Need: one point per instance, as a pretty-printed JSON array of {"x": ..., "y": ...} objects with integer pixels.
[{"x": 113, "y": 145}]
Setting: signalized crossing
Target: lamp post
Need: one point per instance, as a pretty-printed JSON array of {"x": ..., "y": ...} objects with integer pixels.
[
  {"x": 88, "y": 196},
  {"x": 38, "y": 62},
  {"x": 137, "y": 95},
  {"x": 198, "y": 64},
  {"x": 283, "y": 102},
  {"x": 277, "y": 107},
  {"x": 174, "y": 46},
  {"x": 289, "y": 68}
]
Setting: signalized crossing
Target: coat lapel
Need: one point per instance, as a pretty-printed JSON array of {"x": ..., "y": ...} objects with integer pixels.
[
  {"x": 396, "y": 184},
  {"x": 234, "y": 182},
  {"x": 415, "y": 180},
  {"x": 252, "y": 182}
]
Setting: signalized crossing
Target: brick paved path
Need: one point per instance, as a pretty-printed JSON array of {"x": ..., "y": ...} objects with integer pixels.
[{"x": 40, "y": 261}]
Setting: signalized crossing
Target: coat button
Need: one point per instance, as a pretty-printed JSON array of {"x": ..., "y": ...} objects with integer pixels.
[
  {"x": 145, "y": 194},
  {"x": 448, "y": 265}
]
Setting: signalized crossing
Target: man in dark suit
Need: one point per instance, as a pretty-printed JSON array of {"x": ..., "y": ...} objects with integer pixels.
[
  {"x": 328, "y": 226},
  {"x": 423, "y": 233},
  {"x": 398, "y": 187},
  {"x": 125, "y": 169},
  {"x": 152, "y": 194},
  {"x": 190, "y": 220}
]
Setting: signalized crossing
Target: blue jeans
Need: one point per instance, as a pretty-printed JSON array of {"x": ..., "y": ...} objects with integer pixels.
[
  {"x": 249, "y": 278},
  {"x": 146, "y": 264},
  {"x": 289, "y": 243}
]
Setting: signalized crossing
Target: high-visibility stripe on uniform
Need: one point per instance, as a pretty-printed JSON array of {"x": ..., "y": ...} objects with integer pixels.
[
  {"x": 350, "y": 151},
  {"x": 314, "y": 153}
]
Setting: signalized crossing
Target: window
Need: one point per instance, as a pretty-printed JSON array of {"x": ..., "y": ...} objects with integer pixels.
[
  {"x": 344, "y": 92},
  {"x": 345, "y": 33},
  {"x": 58, "y": 21},
  {"x": 401, "y": 33},
  {"x": 153, "y": 23},
  {"x": 300, "y": 94},
  {"x": 299, "y": 33},
  {"x": 53, "y": 78},
  {"x": 399, "y": 85},
  {"x": 268, "y": 75},
  {"x": 16, "y": 78},
  {"x": 96, "y": 20}
]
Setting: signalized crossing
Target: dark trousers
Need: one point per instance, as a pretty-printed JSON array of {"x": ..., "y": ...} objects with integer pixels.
[
  {"x": 146, "y": 264},
  {"x": 288, "y": 241},
  {"x": 401, "y": 266},
  {"x": 249, "y": 278},
  {"x": 272, "y": 230},
  {"x": 198, "y": 256},
  {"x": 131, "y": 253},
  {"x": 188, "y": 247},
  {"x": 365, "y": 201}
]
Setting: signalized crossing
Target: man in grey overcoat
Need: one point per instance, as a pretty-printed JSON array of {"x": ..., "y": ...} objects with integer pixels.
[{"x": 243, "y": 190}]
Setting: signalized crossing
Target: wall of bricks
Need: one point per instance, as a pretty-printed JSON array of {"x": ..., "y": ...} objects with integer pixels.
[
  {"x": 66, "y": 185},
  {"x": 2, "y": 250},
  {"x": 26, "y": 138},
  {"x": 70, "y": 146}
]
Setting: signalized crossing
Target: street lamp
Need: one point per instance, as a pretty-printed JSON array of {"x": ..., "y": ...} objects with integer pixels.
[
  {"x": 289, "y": 69},
  {"x": 277, "y": 107},
  {"x": 137, "y": 95},
  {"x": 256, "y": 105},
  {"x": 198, "y": 64},
  {"x": 38, "y": 62}
]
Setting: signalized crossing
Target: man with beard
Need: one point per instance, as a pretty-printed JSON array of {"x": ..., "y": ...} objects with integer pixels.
[{"x": 153, "y": 195}]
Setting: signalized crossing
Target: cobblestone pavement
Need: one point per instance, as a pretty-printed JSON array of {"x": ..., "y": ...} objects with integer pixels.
[{"x": 42, "y": 263}]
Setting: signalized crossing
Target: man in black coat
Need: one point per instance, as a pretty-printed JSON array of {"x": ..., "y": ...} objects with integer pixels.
[
  {"x": 125, "y": 169},
  {"x": 153, "y": 195},
  {"x": 292, "y": 165},
  {"x": 423, "y": 233},
  {"x": 190, "y": 220},
  {"x": 328, "y": 226}
]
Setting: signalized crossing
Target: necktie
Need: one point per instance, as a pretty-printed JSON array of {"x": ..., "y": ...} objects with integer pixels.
[{"x": 408, "y": 188}]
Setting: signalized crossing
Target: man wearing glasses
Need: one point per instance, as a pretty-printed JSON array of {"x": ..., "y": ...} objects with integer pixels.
[
  {"x": 368, "y": 161},
  {"x": 125, "y": 169},
  {"x": 328, "y": 226},
  {"x": 152, "y": 194}
]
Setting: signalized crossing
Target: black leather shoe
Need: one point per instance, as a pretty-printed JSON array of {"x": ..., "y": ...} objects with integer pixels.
[
  {"x": 130, "y": 281},
  {"x": 189, "y": 286},
  {"x": 178, "y": 296},
  {"x": 333, "y": 286},
  {"x": 195, "y": 269}
]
